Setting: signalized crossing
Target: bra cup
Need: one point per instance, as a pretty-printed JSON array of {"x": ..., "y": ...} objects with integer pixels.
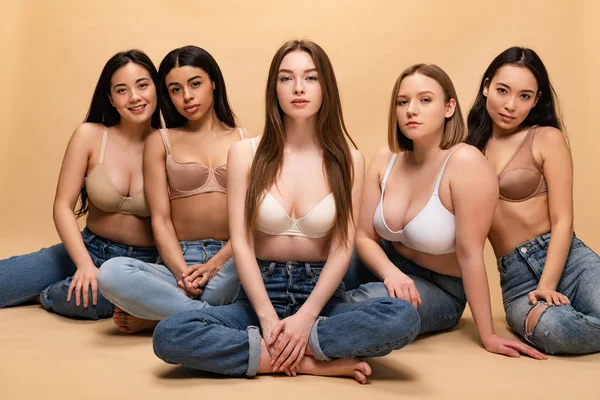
[
  {"x": 186, "y": 177},
  {"x": 220, "y": 175},
  {"x": 519, "y": 183},
  {"x": 433, "y": 231}
]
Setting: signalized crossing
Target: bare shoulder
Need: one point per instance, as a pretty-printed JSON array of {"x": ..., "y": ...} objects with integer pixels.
[
  {"x": 243, "y": 149},
  {"x": 467, "y": 162},
  {"x": 357, "y": 157},
  {"x": 549, "y": 136},
  {"x": 87, "y": 136}
]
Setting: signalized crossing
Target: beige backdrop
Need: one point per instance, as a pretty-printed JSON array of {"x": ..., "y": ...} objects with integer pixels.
[{"x": 54, "y": 51}]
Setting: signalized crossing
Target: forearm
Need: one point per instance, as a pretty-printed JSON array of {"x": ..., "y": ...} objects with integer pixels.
[
  {"x": 477, "y": 290},
  {"x": 252, "y": 282},
  {"x": 68, "y": 230},
  {"x": 331, "y": 276},
  {"x": 374, "y": 258},
  {"x": 168, "y": 246},
  {"x": 223, "y": 255},
  {"x": 556, "y": 257}
]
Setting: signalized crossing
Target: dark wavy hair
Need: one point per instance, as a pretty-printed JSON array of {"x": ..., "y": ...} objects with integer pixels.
[
  {"x": 101, "y": 111},
  {"x": 196, "y": 57},
  {"x": 545, "y": 113}
]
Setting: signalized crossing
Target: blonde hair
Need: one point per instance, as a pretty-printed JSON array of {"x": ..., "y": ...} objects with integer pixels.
[{"x": 454, "y": 127}]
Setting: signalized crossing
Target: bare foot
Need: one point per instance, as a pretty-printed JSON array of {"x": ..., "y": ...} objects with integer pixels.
[
  {"x": 353, "y": 367},
  {"x": 129, "y": 324}
]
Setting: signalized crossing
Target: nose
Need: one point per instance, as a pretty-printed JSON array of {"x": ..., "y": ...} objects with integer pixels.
[
  {"x": 187, "y": 94},
  {"x": 135, "y": 96},
  {"x": 510, "y": 104},
  {"x": 413, "y": 108},
  {"x": 299, "y": 87}
]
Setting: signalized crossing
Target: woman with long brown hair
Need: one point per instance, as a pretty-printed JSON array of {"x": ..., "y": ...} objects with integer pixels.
[{"x": 292, "y": 203}]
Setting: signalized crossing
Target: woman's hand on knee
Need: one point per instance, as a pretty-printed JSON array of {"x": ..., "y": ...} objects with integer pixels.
[
  {"x": 84, "y": 280},
  {"x": 551, "y": 297},
  {"x": 288, "y": 341},
  {"x": 400, "y": 286}
]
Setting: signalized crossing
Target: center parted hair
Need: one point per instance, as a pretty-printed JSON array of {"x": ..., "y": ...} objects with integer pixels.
[
  {"x": 193, "y": 56},
  {"x": 331, "y": 134},
  {"x": 454, "y": 127}
]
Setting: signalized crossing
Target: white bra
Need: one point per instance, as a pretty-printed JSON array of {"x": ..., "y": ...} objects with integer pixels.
[{"x": 432, "y": 230}]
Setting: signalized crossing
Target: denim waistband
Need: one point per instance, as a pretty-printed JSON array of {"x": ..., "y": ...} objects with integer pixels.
[
  {"x": 540, "y": 242},
  {"x": 203, "y": 242},
  {"x": 89, "y": 236}
]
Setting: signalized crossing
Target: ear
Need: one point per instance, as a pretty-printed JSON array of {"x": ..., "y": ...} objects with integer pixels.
[
  {"x": 537, "y": 98},
  {"x": 450, "y": 108},
  {"x": 214, "y": 86},
  {"x": 111, "y": 101},
  {"x": 486, "y": 87}
]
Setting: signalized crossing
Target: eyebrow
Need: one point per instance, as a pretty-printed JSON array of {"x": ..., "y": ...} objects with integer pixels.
[
  {"x": 508, "y": 87},
  {"x": 420, "y": 93},
  {"x": 189, "y": 80},
  {"x": 289, "y": 71},
  {"x": 137, "y": 81}
]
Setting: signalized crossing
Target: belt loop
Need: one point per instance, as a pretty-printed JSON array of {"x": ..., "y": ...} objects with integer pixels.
[
  {"x": 129, "y": 251},
  {"x": 541, "y": 242},
  {"x": 183, "y": 247},
  {"x": 308, "y": 271},
  {"x": 271, "y": 267}
]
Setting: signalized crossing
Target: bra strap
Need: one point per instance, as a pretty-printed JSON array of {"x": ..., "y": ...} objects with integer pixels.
[
  {"x": 389, "y": 169},
  {"x": 103, "y": 145},
  {"x": 242, "y": 132},
  {"x": 253, "y": 140},
  {"x": 439, "y": 179},
  {"x": 164, "y": 135}
]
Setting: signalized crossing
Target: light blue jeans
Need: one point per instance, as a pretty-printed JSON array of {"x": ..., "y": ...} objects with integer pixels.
[
  {"x": 566, "y": 329},
  {"x": 227, "y": 339},
  {"x": 149, "y": 291},
  {"x": 443, "y": 296},
  {"x": 48, "y": 273}
]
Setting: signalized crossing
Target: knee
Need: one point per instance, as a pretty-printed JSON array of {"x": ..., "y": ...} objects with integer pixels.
[
  {"x": 164, "y": 340},
  {"x": 111, "y": 273},
  {"x": 172, "y": 336},
  {"x": 398, "y": 318}
]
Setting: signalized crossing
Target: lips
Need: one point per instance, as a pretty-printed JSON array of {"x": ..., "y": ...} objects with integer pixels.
[
  {"x": 506, "y": 117},
  {"x": 413, "y": 123},
  {"x": 192, "y": 107},
  {"x": 137, "y": 109},
  {"x": 300, "y": 101}
]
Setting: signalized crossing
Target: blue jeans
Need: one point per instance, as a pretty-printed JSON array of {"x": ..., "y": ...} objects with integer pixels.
[
  {"x": 443, "y": 296},
  {"x": 567, "y": 329},
  {"x": 227, "y": 340},
  {"x": 149, "y": 291},
  {"x": 49, "y": 272}
]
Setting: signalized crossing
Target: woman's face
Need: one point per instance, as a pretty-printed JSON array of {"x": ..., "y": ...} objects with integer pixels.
[
  {"x": 421, "y": 107},
  {"x": 511, "y": 94},
  {"x": 133, "y": 93},
  {"x": 191, "y": 91},
  {"x": 298, "y": 89}
]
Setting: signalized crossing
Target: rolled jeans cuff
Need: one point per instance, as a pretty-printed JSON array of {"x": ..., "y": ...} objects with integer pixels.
[
  {"x": 254, "y": 339},
  {"x": 313, "y": 341}
]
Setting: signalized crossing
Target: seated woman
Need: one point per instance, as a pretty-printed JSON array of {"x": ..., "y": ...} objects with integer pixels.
[
  {"x": 103, "y": 162},
  {"x": 550, "y": 279},
  {"x": 185, "y": 179},
  {"x": 423, "y": 218},
  {"x": 292, "y": 203}
]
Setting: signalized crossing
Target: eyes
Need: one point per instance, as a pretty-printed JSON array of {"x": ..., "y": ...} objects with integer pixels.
[
  {"x": 289, "y": 78},
  {"x": 193, "y": 85},
  {"x": 403, "y": 102},
  {"x": 123, "y": 90},
  {"x": 503, "y": 91}
]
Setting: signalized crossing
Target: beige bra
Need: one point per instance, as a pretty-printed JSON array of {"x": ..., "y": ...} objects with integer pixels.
[{"x": 105, "y": 196}]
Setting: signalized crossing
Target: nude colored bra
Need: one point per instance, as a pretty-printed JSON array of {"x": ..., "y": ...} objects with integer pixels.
[
  {"x": 432, "y": 230},
  {"x": 106, "y": 197},
  {"x": 272, "y": 218},
  {"x": 522, "y": 178},
  {"x": 191, "y": 178}
]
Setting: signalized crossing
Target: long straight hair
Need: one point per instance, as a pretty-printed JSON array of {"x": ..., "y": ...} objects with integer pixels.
[
  {"x": 193, "y": 56},
  {"x": 331, "y": 134},
  {"x": 545, "y": 113},
  {"x": 101, "y": 111}
]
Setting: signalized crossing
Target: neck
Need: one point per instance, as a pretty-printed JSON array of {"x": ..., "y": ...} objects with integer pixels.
[
  {"x": 498, "y": 132},
  {"x": 207, "y": 123},
  {"x": 300, "y": 133},
  {"x": 135, "y": 131},
  {"x": 426, "y": 148}
]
